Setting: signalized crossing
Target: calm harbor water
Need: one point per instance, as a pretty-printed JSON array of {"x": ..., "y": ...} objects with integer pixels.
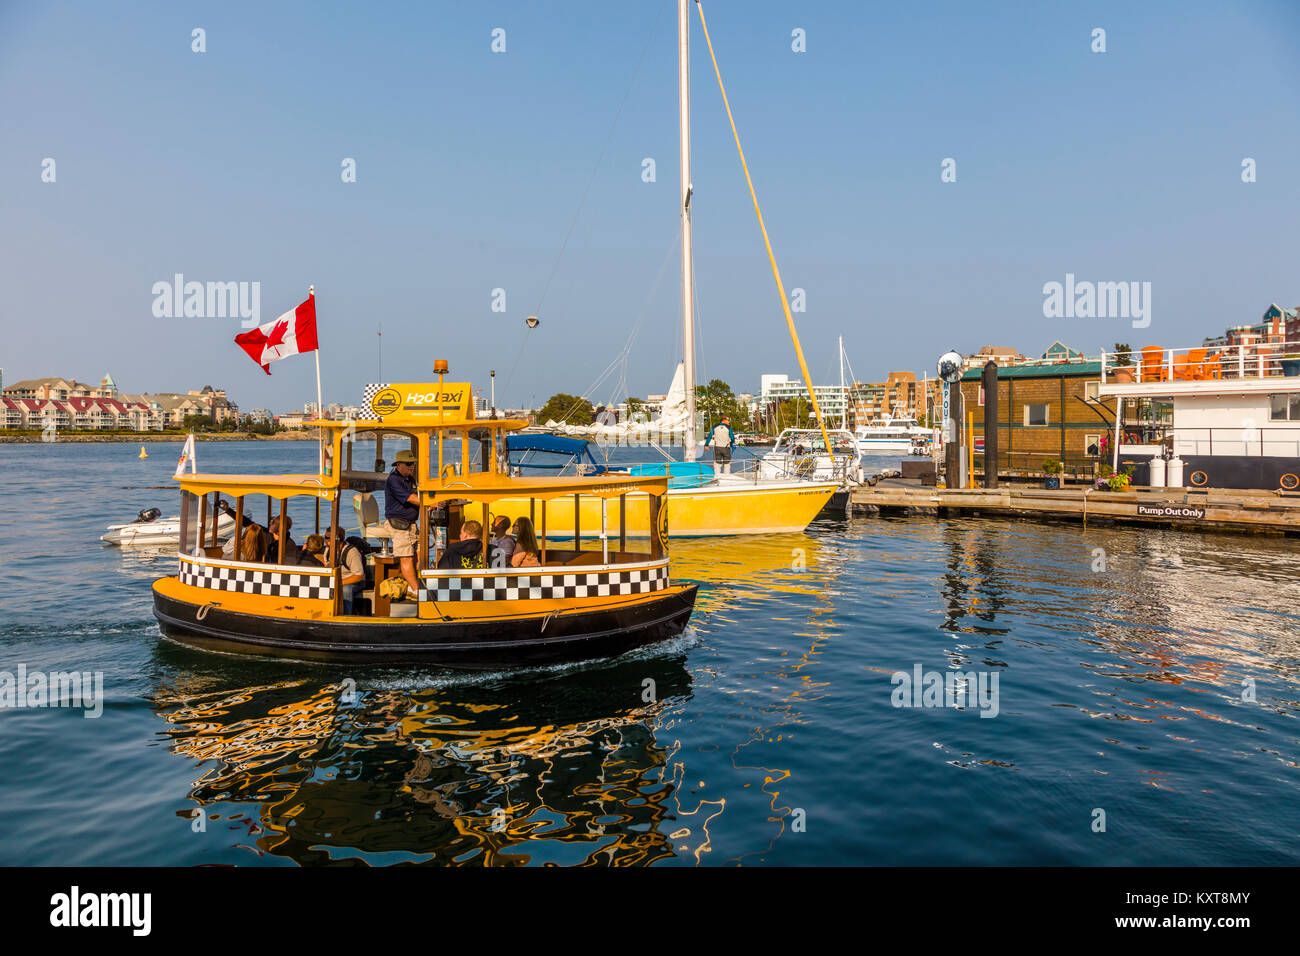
[{"x": 1148, "y": 676}]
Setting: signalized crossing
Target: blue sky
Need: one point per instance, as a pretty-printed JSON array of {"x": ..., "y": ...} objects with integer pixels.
[{"x": 225, "y": 166}]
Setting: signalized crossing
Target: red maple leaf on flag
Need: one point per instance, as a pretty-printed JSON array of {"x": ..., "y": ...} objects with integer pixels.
[{"x": 276, "y": 338}]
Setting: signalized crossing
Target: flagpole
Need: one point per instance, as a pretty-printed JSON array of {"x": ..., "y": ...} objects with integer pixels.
[{"x": 320, "y": 407}]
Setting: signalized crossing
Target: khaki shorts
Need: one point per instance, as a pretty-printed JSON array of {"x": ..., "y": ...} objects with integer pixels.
[{"x": 404, "y": 542}]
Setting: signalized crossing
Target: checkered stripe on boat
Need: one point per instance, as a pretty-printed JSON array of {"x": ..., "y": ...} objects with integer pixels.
[
  {"x": 369, "y": 392},
  {"x": 529, "y": 587},
  {"x": 312, "y": 587}
]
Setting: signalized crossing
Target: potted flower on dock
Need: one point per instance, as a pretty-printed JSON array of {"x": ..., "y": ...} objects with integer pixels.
[
  {"x": 1110, "y": 480},
  {"x": 1052, "y": 473}
]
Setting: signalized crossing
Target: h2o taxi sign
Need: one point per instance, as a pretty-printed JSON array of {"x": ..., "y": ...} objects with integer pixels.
[{"x": 419, "y": 401}]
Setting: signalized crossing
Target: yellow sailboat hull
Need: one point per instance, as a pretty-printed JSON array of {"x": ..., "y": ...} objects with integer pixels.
[{"x": 692, "y": 512}]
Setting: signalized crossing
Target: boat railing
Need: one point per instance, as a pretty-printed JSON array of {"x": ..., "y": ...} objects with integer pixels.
[
  {"x": 1247, "y": 439},
  {"x": 1208, "y": 362}
]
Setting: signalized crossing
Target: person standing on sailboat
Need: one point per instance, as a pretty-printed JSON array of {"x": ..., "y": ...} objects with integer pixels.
[{"x": 722, "y": 438}]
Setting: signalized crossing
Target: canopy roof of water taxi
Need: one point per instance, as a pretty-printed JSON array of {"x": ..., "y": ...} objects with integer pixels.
[
  {"x": 476, "y": 486},
  {"x": 395, "y": 423},
  {"x": 493, "y": 486},
  {"x": 277, "y": 486}
]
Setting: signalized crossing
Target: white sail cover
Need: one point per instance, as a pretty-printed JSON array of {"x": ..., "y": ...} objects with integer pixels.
[{"x": 671, "y": 418}]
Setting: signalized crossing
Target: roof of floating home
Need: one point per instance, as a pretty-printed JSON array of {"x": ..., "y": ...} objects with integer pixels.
[
  {"x": 1043, "y": 370},
  {"x": 477, "y": 486}
]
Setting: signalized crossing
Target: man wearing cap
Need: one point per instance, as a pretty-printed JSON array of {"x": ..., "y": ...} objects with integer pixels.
[{"x": 401, "y": 514}]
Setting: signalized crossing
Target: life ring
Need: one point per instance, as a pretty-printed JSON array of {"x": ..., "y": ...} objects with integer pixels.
[
  {"x": 1289, "y": 482},
  {"x": 1199, "y": 479}
]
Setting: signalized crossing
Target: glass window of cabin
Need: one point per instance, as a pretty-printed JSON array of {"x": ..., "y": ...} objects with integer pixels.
[
  {"x": 1036, "y": 415},
  {"x": 1278, "y": 407},
  {"x": 189, "y": 539},
  {"x": 1295, "y": 406}
]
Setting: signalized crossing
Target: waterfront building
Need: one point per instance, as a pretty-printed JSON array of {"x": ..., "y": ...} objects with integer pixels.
[
  {"x": 72, "y": 404},
  {"x": 1050, "y": 408}
]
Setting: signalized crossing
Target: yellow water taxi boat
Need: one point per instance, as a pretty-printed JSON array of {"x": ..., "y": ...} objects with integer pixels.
[{"x": 592, "y": 597}]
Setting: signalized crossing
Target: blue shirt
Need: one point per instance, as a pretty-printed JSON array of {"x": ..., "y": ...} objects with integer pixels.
[{"x": 396, "y": 490}]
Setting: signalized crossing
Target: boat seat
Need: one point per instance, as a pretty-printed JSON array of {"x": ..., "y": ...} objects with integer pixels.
[{"x": 367, "y": 509}]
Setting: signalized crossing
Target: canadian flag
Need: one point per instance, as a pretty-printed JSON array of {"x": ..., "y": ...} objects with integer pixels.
[{"x": 290, "y": 334}]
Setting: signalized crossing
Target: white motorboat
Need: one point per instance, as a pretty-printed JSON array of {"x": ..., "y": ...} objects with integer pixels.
[
  {"x": 151, "y": 528},
  {"x": 801, "y": 453},
  {"x": 890, "y": 434}
]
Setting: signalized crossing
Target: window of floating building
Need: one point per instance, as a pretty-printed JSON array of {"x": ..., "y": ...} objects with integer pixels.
[
  {"x": 1092, "y": 445},
  {"x": 1092, "y": 391},
  {"x": 1284, "y": 407},
  {"x": 1036, "y": 415}
]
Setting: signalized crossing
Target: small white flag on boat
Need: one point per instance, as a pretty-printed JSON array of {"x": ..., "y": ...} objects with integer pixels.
[{"x": 187, "y": 455}]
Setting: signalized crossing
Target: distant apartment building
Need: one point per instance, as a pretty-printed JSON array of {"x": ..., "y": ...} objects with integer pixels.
[
  {"x": 32, "y": 403},
  {"x": 260, "y": 415},
  {"x": 1266, "y": 338},
  {"x": 292, "y": 420},
  {"x": 831, "y": 399},
  {"x": 1003, "y": 355},
  {"x": 901, "y": 395}
]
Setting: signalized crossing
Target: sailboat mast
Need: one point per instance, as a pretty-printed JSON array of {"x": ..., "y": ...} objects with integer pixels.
[
  {"x": 844, "y": 404},
  {"x": 688, "y": 271}
]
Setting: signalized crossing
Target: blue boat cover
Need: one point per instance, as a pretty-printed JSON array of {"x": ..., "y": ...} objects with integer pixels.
[
  {"x": 681, "y": 474},
  {"x": 558, "y": 444}
]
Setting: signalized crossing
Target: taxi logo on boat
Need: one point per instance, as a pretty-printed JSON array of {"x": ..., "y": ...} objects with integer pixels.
[{"x": 386, "y": 402}]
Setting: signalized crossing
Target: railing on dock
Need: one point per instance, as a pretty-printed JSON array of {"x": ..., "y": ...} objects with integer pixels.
[{"x": 1205, "y": 363}]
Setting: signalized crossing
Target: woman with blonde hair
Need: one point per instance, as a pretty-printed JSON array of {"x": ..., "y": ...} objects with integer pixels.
[
  {"x": 252, "y": 548},
  {"x": 526, "y": 552}
]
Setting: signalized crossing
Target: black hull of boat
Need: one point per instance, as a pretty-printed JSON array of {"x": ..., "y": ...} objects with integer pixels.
[{"x": 473, "y": 645}]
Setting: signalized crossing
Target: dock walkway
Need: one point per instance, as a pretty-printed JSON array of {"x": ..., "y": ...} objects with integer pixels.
[{"x": 1263, "y": 512}]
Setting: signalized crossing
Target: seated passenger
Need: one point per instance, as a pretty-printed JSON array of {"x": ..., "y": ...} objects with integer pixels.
[
  {"x": 353, "y": 567},
  {"x": 502, "y": 547},
  {"x": 290, "y": 547},
  {"x": 466, "y": 552},
  {"x": 312, "y": 552},
  {"x": 526, "y": 551},
  {"x": 252, "y": 546}
]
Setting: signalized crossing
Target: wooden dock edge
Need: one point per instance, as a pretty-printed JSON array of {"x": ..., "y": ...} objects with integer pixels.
[{"x": 1254, "y": 512}]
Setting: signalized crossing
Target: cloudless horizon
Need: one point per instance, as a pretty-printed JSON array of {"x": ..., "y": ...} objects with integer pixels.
[{"x": 225, "y": 166}]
